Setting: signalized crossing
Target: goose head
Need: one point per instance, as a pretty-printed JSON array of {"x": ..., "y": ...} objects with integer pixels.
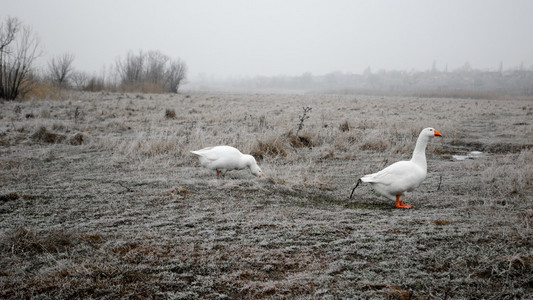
[
  {"x": 430, "y": 132},
  {"x": 252, "y": 165}
]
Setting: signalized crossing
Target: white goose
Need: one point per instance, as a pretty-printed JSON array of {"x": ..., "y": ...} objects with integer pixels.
[
  {"x": 403, "y": 176},
  {"x": 227, "y": 158}
]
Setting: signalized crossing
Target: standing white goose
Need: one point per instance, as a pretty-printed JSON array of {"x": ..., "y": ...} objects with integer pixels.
[
  {"x": 227, "y": 158},
  {"x": 403, "y": 176}
]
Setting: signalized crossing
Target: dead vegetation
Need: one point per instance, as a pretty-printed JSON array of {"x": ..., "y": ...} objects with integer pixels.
[
  {"x": 170, "y": 114},
  {"x": 108, "y": 203},
  {"x": 77, "y": 139},
  {"x": 44, "y": 136}
]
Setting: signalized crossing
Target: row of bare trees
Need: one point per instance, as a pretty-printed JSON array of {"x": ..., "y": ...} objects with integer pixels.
[{"x": 149, "y": 71}]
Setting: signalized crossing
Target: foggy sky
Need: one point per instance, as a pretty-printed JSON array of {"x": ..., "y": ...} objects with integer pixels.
[{"x": 232, "y": 38}]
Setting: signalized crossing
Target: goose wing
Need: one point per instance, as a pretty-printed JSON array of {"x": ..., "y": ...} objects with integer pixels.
[{"x": 400, "y": 176}]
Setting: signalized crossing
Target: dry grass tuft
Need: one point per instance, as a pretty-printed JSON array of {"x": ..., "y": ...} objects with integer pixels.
[
  {"x": 44, "y": 136},
  {"x": 272, "y": 147},
  {"x": 170, "y": 114},
  {"x": 9, "y": 197},
  {"x": 279, "y": 146},
  {"x": 177, "y": 193},
  {"x": 519, "y": 262},
  {"x": 441, "y": 222},
  {"x": 374, "y": 145},
  {"x": 299, "y": 141},
  {"x": 509, "y": 176},
  {"x": 45, "y": 90},
  {"x": 77, "y": 139},
  {"x": 345, "y": 126},
  {"x": 24, "y": 242}
]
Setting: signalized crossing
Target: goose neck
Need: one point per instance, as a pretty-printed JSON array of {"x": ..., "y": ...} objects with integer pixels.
[{"x": 419, "y": 154}]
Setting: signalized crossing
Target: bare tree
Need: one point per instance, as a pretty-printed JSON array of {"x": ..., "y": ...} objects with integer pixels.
[
  {"x": 80, "y": 79},
  {"x": 131, "y": 69},
  {"x": 155, "y": 67},
  {"x": 176, "y": 73},
  {"x": 60, "y": 69},
  {"x": 18, "y": 51}
]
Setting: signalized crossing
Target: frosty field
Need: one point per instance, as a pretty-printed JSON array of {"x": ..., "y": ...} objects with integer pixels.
[{"x": 100, "y": 198}]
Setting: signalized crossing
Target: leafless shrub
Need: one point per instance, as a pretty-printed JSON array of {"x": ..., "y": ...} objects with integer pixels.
[
  {"x": 302, "y": 118},
  {"x": 43, "y": 135}
]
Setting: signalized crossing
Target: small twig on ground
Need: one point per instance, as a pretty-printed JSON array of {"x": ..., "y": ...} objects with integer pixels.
[
  {"x": 440, "y": 181},
  {"x": 127, "y": 188},
  {"x": 76, "y": 114}
]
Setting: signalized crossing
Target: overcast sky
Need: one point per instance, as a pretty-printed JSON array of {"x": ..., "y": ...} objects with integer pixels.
[{"x": 235, "y": 38}]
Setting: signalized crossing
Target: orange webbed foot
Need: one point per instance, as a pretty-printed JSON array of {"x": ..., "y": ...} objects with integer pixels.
[
  {"x": 403, "y": 205},
  {"x": 399, "y": 203}
]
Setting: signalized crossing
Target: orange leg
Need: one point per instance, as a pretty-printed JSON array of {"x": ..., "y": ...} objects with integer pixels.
[
  {"x": 399, "y": 203},
  {"x": 218, "y": 173}
]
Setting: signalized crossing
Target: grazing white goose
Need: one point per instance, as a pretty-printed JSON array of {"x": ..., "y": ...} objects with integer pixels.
[
  {"x": 403, "y": 176},
  {"x": 227, "y": 158}
]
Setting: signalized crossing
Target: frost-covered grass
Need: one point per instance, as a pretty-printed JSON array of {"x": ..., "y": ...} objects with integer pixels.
[{"x": 117, "y": 207}]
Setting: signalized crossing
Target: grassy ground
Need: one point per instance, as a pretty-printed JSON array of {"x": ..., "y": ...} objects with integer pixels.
[{"x": 100, "y": 198}]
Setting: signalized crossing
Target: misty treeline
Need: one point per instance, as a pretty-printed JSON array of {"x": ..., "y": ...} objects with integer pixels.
[
  {"x": 465, "y": 81},
  {"x": 151, "y": 71}
]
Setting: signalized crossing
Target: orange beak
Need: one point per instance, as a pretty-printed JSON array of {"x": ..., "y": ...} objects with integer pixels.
[
  {"x": 437, "y": 133},
  {"x": 260, "y": 175}
]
